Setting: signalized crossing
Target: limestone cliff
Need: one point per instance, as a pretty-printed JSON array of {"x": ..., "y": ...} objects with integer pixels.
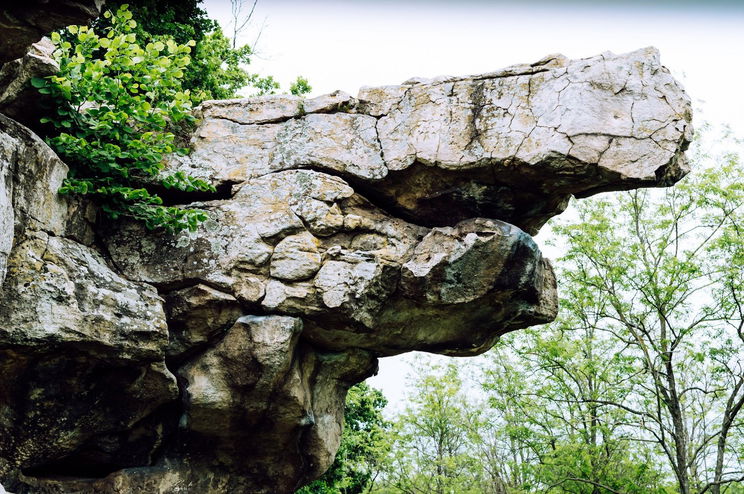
[{"x": 343, "y": 229}]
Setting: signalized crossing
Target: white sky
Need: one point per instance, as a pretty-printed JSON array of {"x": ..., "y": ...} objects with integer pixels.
[{"x": 349, "y": 44}]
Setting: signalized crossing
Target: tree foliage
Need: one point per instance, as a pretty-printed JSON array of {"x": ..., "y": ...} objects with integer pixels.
[
  {"x": 125, "y": 87},
  {"x": 432, "y": 439},
  {"x": 547, "y": 389},
  {"x": 636, "y": 388},
  {"x": 638, "y": 385},
  {"x": 659, "y": 274},
  {"x": 218, "y": 68},
  {"x": 180, "y": 20}
]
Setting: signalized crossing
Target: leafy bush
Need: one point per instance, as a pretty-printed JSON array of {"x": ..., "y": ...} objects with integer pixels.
[
  {"x": 117, "y": 103},
  {"x": 217, "y": 69}
]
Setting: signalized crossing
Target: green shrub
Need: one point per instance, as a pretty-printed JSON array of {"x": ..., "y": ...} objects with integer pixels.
[
  {"x": 218, "y": 68},
  {"x": 300, "y": 86},
  {"x": 116, "y": 104}
]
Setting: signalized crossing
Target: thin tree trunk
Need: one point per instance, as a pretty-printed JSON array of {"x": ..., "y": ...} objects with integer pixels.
[{"x": 732, "y": 410}]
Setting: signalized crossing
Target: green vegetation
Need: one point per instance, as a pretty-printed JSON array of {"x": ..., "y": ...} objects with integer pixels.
[
  {"x": 217, "y": 68},
  {"x": 300, "y": 86},
  {"x": 181, "y": 20},
  {"x": 125, "y": 88},
  {"x": 215, "y": 71},
  {"x": 646, "y": 354},
  {"x": 432, "y": 440},
  {"x": 116, "y": 104}
]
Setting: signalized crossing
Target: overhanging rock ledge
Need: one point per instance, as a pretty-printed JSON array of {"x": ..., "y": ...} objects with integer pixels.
[{"x": 344, "y": 229}]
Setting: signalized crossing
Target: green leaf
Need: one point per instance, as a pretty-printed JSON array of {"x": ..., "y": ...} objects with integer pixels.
[
  {"x": 39, "y": 82},
  {"x": 126, "y": 133}
]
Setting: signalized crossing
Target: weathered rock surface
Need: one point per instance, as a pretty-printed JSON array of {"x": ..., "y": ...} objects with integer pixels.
[
  {"x": 24, "y": 23},
  {"x": 30, "y": 175},
  {"x": 19, "y": 100},
  {"x": 354, "y": 228},
  {"x": 512, "y": 145},
  {"x": 81, "y": 348},
  {"x": 359, "y": 277}
]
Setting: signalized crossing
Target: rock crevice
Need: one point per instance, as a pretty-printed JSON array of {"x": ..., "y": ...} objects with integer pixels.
[{"x": 512, "y": 145}]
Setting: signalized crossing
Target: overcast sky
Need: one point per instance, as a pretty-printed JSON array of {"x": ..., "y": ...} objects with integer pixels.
[{"x": 348, "y": 44}]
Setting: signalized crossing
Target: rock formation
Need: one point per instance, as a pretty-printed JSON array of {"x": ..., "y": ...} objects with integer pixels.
[
  {"x": 343, "y": 229},
  {"x": 19, "y": 100},
  {"x": 24, "y": 23}
]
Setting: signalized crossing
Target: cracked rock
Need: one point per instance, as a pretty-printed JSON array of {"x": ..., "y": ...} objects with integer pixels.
[
  {"x": 296, "y": 258},
  {"x": 512, "y": 145}
]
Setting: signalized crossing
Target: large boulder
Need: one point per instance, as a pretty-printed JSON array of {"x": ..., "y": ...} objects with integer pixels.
[
  {"x": 30, "y": 175},
  {"x": 303, "y": 243},
  {"x": 82, "y": 349},
  {"x": 513, "y": 145}
]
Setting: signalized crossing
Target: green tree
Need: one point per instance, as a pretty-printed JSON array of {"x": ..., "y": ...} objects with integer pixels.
[
  {"x": 636, "y": 388},
  {"x": 181, "y": 20},
  {"x": 218, "y": 66},
  {"x": 431, "y": 442},
  {"x": 116, "y": 104},
  {"x": 545, "y": 386},
  {"x": 363, "y": 445},
  {"x": 660, "y": 272}
]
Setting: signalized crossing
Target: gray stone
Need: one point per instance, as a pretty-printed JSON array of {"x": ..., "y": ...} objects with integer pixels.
[
  {"x": 18, "y": 98},
  {"x": 196, "y": 316},
  {"x": 30, "y": 175},
  {"x": 81, "y": 351},
  {"x": 24, "y": 23},
  {"x": 296, "y": 258},
  {"x": 512, "y": 145}
]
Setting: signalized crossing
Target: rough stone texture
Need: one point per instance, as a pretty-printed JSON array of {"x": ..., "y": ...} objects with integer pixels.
[
  {"x": 345, "y": 229},
  {"x": 24, "y": 23},
  {"x": 512, "y": 145},
  {"x": 18, "y": 99},
  {"x": 30, "y": 175},
  {"x": 376, "y": 283},
  {"x": 81, "y": 348}
]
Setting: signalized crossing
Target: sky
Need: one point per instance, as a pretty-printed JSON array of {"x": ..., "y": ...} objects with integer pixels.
[{"x": 349, "y": 44}]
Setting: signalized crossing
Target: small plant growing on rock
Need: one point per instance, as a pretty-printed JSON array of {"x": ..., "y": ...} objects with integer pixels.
[{"x": 116, "y": 104}]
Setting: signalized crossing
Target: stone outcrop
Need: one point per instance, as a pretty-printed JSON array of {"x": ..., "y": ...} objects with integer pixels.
[
  {"x": 19, "y": 100},
  {"x": 301, "y": 242},
  {"x": 512, "y": 145},
  {"x": 25, "y": 22},
  {"x": 81, "y": 348},
  {"x": 344, "y": 229}
]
